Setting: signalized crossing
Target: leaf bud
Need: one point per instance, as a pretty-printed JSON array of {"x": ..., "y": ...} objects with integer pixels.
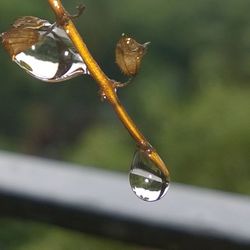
[{"x": 129, "y": 54}]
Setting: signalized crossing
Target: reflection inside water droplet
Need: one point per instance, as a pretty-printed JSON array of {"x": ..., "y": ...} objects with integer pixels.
[
  {"x": 146, "y": 180},
  {"x": 53, "y": 58}
]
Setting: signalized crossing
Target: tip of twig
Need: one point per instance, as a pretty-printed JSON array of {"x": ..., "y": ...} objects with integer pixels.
[
  {"x": 145, "y": 45},
  {"x": 80, "y": 8}
]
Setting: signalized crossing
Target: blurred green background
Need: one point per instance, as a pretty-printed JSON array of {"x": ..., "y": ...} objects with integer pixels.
[{"x": 191, "y": 100}]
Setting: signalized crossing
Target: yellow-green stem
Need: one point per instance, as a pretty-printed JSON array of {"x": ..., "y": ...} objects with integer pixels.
[{"x": 106, "y": 85}]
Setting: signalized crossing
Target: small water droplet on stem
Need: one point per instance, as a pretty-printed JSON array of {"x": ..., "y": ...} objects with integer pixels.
[
  {"x": 102, "y": 95},
  {"x": 146, "y": 180}
]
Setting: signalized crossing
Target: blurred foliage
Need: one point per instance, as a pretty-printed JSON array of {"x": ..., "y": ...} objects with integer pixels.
[
  {"x": 23, "y": 235},
  {"x": 191, "y": 98}
]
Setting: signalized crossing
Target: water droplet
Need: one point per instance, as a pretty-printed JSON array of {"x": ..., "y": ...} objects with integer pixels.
[
  {"x": 146, "y": 180},
  {"x": 103, "y": 96},
  {"x": 45, "y": 51}
]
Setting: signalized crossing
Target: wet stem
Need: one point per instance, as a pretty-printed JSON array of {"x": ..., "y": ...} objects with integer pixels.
[{"x": 107, "y": 86}]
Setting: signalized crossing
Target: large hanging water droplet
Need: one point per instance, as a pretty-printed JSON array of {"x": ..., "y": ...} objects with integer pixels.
[
  {"x": 146, "y": 180},
  {"x": 44, "y": 50}
]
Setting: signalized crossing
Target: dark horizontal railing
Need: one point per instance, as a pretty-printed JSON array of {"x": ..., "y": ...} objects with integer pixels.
[{"x": 101, "y": 202}]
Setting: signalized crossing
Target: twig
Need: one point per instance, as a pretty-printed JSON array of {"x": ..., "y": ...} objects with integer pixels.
[{"x": 107, "y": 88}]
